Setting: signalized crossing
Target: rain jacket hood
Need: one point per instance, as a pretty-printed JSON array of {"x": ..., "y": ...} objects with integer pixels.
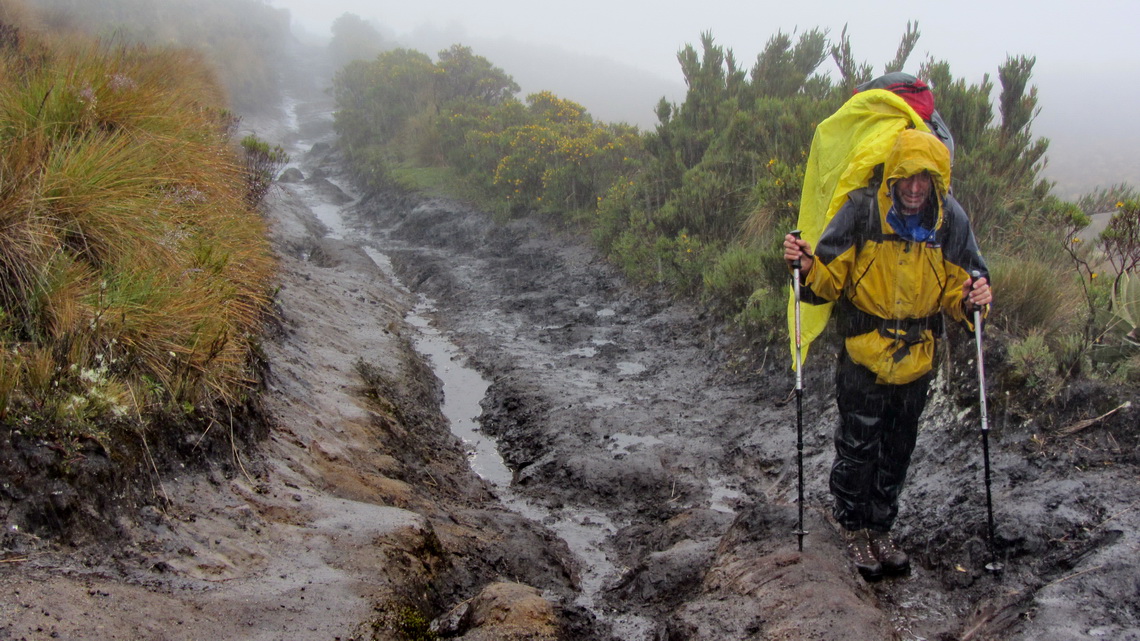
[
  {"x": 913, "y": 153},
  {"x": 894, "y": 288}
]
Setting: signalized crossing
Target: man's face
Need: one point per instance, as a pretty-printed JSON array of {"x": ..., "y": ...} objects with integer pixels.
[{"x": 913, "y": 191}]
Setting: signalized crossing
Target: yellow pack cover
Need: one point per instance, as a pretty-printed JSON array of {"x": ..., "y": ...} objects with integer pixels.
[{"x": 844, "y": 151}]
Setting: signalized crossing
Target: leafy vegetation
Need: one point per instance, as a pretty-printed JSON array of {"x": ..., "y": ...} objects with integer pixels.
[
  {"x": 700, "y": 203},
  {"x": 262, "y": 164},
  {"x": 135, "y": 273},
  {"x": 353, "y": 38}
]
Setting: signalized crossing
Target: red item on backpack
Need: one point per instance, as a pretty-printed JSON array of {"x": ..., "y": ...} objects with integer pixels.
[{"x": 917, "y": 94}]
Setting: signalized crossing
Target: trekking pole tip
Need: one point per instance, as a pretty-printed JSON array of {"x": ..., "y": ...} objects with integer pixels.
[
  {"x": 995, "y": 568},
  {"x": 800, "y": 533}
]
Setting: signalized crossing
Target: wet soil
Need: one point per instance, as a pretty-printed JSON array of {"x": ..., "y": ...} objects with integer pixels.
[
  {"x": 652, "y": 471},
  {"x": 356, "y": 516},
  {"x": 611, "y": 399}
]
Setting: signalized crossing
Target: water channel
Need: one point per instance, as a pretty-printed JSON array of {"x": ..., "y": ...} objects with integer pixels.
[{"x": 584, "y": 530}]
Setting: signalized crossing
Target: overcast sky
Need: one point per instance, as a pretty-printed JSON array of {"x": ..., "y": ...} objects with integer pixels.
[{"x": 1083, "y": 48}]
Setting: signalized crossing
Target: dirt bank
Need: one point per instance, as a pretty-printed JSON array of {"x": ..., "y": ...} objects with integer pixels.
[{"x": 357, "y": 517}]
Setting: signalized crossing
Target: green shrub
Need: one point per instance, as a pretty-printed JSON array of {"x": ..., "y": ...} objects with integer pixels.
[
  {"x": 1034, "y": 365},
  {"x": 1027, "y": 291},
  {"x": 764, "y": 313},
  {"x": 262, "y": 164},
  {"x": 734, "y": 276}
]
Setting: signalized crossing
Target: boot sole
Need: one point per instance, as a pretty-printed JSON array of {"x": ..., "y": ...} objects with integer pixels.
[{"x": 895, "y": 570}]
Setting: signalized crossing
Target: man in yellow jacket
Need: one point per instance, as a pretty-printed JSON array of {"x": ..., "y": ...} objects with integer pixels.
[{"x": 896, "y": 258}]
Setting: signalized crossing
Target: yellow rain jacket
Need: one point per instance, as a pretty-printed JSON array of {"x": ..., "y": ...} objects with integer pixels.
[
  {"x": 892, "y": 292},
  {"x": 845, "y": 149}
]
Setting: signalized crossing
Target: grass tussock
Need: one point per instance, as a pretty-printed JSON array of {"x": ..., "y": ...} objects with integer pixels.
[{"x": 133, "y": 272}]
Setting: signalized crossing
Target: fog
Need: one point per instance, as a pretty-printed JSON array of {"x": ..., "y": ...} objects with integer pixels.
[{"x": 619, "y": 58}]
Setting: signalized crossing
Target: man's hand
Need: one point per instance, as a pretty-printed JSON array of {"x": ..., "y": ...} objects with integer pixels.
[
  {"x": 975, "y": 292},
  {"x": 798, "y": 249}
]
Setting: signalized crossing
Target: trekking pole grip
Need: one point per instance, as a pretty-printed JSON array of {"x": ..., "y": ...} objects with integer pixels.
[
  {"x": 797, "y": 233},
  {"x": 974, "y": 276}
]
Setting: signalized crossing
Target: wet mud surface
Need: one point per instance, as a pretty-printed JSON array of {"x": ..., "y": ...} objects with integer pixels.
[
  {"x": 609, "y": 399},
  {"x": 356, "y": 516},
  {"x": 650, "y": 484}
]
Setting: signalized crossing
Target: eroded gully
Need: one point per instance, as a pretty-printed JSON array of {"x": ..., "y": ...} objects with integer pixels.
[
  {"x": 642, "y": 436},
  {"x": 583, "y": 529}
]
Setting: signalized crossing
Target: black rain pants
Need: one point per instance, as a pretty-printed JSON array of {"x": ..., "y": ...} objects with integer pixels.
[{"x": 878, "y": 426}]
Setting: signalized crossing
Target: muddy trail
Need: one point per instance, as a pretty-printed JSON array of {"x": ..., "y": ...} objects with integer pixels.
[
  {"x": 641, "y": 418},
  {"x": 479, "y": 430}
]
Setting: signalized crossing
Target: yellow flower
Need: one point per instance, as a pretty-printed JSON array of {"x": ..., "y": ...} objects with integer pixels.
[
  {"x": 1093, "y": 275},
  {"x": 771, "y": 162}
]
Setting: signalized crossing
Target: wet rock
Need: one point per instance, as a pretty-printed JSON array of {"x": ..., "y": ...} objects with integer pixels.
[
  {"x": 291, "y": 175},
  {"x": 328, "y": 191},
  {"x": 501, "y": 612}
]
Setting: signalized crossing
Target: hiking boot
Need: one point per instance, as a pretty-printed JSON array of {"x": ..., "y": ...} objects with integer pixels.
[
  {"x": 861, "y": 553},
  {"x": 892, "y": 558}
]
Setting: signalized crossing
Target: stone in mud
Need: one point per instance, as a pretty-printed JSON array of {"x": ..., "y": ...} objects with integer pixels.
[
  {"x": 328, "y": 190},
  {"x": 501, "y": 612},
  {"x": 291, "y": 175},
  {"x": 668, "y": 576}
]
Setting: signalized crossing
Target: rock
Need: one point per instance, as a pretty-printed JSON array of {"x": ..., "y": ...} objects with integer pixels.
[
  {"x": 327, "y": 190},
  {"x": 291, "y": 175},
  {"x": 503, "y": 612}
]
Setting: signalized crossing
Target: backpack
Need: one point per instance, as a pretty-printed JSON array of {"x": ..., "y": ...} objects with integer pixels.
[
  {"x": 845, "y": 149},
  {"x": 918, "y": 95}
]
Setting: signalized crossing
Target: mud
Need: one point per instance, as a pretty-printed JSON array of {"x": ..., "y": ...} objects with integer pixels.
[
  {"x": 356, "y": 517},
  {"x": 607, "y": 398},
  {"x": 651, "y": 473}
]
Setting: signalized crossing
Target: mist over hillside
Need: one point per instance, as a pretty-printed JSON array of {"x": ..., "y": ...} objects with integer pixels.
[
  {"x": 1086, "y": 150},
  {"x": 1092, "y": 142},
  {"x": 612, "y": 90}
]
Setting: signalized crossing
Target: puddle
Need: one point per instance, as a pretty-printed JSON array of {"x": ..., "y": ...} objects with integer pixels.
[
  {"x": 329, "y": 215},
  {"x": 630, "y": 369},
  {"x": 463, "y": 388},
  {"x": 723, "y": 498},
  {"x": 626, "y": 443},
  {"x": 605, "y": 402},
  {"x": 584, "y": 531}
]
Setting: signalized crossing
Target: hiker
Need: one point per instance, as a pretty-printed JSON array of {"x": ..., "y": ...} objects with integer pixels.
[{"x": 896, "y": 257}]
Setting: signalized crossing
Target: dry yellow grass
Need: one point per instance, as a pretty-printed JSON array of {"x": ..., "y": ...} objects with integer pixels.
[{"x": 130, "y": 259}]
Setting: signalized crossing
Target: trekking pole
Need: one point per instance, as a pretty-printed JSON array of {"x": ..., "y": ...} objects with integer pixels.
[
  {"x": 994, "y": 566},
  {"x": 800, "y": 531}
]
